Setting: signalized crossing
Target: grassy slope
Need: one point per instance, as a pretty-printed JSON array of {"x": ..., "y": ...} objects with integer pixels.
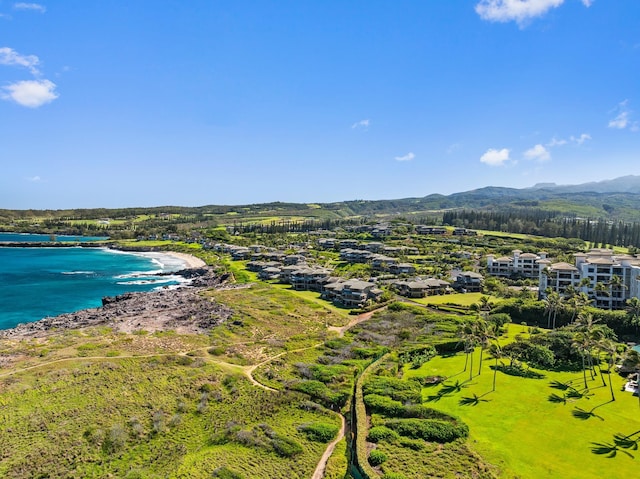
[{"x": 86, "y": 385}]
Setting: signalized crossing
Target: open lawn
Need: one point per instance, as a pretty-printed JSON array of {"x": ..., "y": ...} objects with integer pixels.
[{"x": 524, "y": 431}]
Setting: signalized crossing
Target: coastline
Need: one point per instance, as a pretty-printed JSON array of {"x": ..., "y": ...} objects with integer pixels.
[
  {"x": 193, "y": 274},
  {"x": 191, "y": 262},
  {"x": 182, "y": 309}
]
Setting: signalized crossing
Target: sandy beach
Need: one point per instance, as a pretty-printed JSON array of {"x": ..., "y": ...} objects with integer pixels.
[{"x": 190, "y": 260}]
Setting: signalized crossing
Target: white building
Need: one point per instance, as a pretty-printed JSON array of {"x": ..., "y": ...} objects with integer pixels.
[
  {"x": 526, "y": 265},
  {"x": 609, "y": 279}
]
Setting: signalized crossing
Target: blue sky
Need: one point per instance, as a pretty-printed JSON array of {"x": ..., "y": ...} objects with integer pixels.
[{"x": 118, "y": 103}]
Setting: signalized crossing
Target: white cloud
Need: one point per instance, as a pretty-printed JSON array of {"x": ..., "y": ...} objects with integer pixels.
[
  {"x": 34, "y": 179},
  {"x": 30, "y": 93},
  {"x": 408, "y": 157},
  {"x": 519, "y": 11},
  {"x": 362, "y": 124},
  {"x": 9, "y": 57},
  {"x": 623, "y": 118},
  {"x": 556, "y": 142},
  {"x": 453, "y": 148},
  {"x": 36, "y": 7},
  {"x": 581, "y": 139},
  {"x": 537, "y": 153},
  {"x": 578, "y": 140},
  {"x": 587, "y": 3},
  {"x": 494, "y": 157}
]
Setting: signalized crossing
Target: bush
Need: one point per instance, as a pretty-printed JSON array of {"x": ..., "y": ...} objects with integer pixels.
[
  {"x": 429, "y": 429},
  {"x": 398, "y": 389},
  {"x": 393, "y": 475},
  {"x": 383, "y": 405},
  {"x": 225, "y": 473},
  {"x": 285, "y": 447},
  {"x": 319, "y": 431},
  {"x": 377, "y": 457},
  {"x": 381, "y": 433}
]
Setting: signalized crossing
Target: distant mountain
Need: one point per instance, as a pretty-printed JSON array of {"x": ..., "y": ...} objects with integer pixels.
[{"x": 623, "y": 184}]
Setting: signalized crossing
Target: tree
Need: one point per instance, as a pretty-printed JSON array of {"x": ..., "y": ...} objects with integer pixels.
[
  {"x": 496, "y": 353},
  {"x": 633, "y": 310},
  {"x": 616, "y": 285},
  {"x": 552, "y": 303},
  {"x": 582, "y": 344},
  {"x": 483, "y": 335},
  {"x": 611, "y": 349},
  {"x": 467, "y": 337}
]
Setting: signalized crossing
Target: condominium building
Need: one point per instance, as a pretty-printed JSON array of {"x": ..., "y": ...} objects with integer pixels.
[
  {"x": 609, "y": 279},
  {"x": 526, "y": 265}
]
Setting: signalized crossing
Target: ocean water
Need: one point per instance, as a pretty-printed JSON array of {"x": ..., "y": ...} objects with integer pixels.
[
  {"x": 40, "y": 282},
  {"x": 41, "y": 238}
]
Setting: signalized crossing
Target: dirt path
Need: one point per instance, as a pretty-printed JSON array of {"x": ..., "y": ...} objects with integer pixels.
[
  {"x": 248, "y": 370},
  {"x": 322, "y": 464},
  {"x": 358, "y": 319}
]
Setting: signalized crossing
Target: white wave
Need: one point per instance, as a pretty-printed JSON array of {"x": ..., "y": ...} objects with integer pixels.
[
  {"x": 139, "y": 274},
  {"x": 147, "y": 281},
  {"x": 78, "y": 272}
]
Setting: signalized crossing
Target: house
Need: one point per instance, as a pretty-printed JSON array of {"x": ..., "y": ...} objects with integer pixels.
[
  {"x": 430, "y": 230},
  {"x": 464, "y": 232},
  {"x": 421, "y": 288},
  {"x": 402, "y": 268},
  {"x": 468, "y": 282}
]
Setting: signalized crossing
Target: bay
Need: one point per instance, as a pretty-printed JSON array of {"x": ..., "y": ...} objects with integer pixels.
[{"x": 40, "y": 282}]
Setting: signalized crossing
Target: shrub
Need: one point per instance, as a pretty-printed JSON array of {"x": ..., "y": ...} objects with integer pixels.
[
  {"x": 377, "y": 457},
  {"x": 285, "y": 447},
  {"x": 225, "y": 473},
  {"x": 381, "y": 433},
  {"x": 319, "y": 431},
  {"x": 393, "y": 475},
  {"x": 398, "y": 389},
  {"x": 429, "y": 429},
  {"x": 383, "y": 405}
]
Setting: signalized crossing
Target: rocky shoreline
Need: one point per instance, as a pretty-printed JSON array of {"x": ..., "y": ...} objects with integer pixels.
[{"x": 183, "y": 309}]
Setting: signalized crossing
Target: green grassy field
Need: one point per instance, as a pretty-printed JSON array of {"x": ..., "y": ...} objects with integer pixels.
[{"x": 524, "y": 434}]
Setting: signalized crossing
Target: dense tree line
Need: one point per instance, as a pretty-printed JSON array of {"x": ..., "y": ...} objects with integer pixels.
[{"x": 548, "y": 223}]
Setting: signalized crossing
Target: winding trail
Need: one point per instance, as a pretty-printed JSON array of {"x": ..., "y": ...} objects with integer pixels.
[{"x": 322, "y": 464}]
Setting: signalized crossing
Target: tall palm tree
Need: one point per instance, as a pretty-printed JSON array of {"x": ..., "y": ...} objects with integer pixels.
[
  {"x": 467, "y": 338},
  {"x": 582, "y": 344},
  {"x": 551, "y": 303},
  {"x": 611, "y": 349},
  {"x": 616, "y": 285},
  {"x": 496, "y": 353},
  {"x": 483, "y": 335},
  {"x": 633, "y": 309}
]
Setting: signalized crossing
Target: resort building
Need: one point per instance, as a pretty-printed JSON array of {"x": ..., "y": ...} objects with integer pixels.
[
  {"x": 608, "y": 278},
  {"x": 525, "y": 265}
]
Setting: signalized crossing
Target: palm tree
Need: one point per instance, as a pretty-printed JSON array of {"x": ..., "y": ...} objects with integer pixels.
[
  {"x": 582, "y": 344},
  {"x": 496, "y": 353},
  {"x": 602, "y": 289},
  {"x": 483, "y": 335},
  {"x": 551, "y": 305},
  {"x": 467, "y": 337},
  {"x": 633, "y": 309},
  {"x": 611, "y": 348},
  {"x": 616, "y": 283}
]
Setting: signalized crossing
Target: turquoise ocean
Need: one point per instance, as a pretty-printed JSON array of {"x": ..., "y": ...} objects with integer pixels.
[{"x": 38, "y": 282}]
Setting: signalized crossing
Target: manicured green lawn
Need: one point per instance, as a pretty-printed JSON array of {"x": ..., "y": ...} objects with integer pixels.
[{"x": 519, "y": 430}]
